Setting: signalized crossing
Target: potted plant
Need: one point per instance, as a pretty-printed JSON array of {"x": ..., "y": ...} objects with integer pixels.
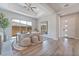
[{"x": 4, "y": 23}]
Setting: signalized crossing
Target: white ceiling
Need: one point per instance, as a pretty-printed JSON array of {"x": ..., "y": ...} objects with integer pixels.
[
  {"x": 42, "y": 8},
  {"x": 19, "y": 8},
  {"x": 61, "y": 9},
  {"x": 37, "y": 10},
  {"x": 60, "y": 6}
]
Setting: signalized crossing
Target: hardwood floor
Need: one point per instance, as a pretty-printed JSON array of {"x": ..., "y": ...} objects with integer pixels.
[{"x": 50, "y": 47}]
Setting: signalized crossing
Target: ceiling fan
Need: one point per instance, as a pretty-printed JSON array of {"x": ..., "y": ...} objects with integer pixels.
[{"x": 30, "y": 7}]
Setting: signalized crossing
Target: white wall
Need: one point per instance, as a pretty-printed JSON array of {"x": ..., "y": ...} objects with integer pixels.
[
  {"x": 11, "y": 15},
  {"x": 51, "y": 18}
]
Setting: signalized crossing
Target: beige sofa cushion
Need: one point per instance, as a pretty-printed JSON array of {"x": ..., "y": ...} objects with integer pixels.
[
  {"x": 25, "y": 42},
  {"x": 40, "y": 37},
  {"x": 34, "y": 39}
]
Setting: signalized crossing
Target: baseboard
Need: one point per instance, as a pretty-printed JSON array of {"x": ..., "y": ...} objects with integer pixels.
[
  {"x": 76, "y": 38},
  {"x": 72, "y": 37}
]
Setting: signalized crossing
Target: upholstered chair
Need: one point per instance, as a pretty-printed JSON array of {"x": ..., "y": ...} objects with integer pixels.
[{"x": 36, "y": 38}]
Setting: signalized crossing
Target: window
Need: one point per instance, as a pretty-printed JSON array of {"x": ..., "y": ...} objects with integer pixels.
[
  {"x": 22, "y": 22},
  {"x": 15, "y": 20},
  {"x": 29, "y": 23},
  {"x": 21, "y": 26},
  {"x": 66, "y": 30},
  {"x": 66, "y": 25},
  {"x": 65, "y": 35}
]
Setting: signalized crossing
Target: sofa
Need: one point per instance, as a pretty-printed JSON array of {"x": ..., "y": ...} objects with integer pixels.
[{"x": 28, "y": 39}]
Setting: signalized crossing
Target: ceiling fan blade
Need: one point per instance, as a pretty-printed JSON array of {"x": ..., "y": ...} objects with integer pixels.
[
  {"x": 27, "y": 4},
  {"x": 25, "y": 7},
  {"x": 29, "y": 7},
  {"x": 33, "y": 7},
  {"x": 33, "y": 10}
]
